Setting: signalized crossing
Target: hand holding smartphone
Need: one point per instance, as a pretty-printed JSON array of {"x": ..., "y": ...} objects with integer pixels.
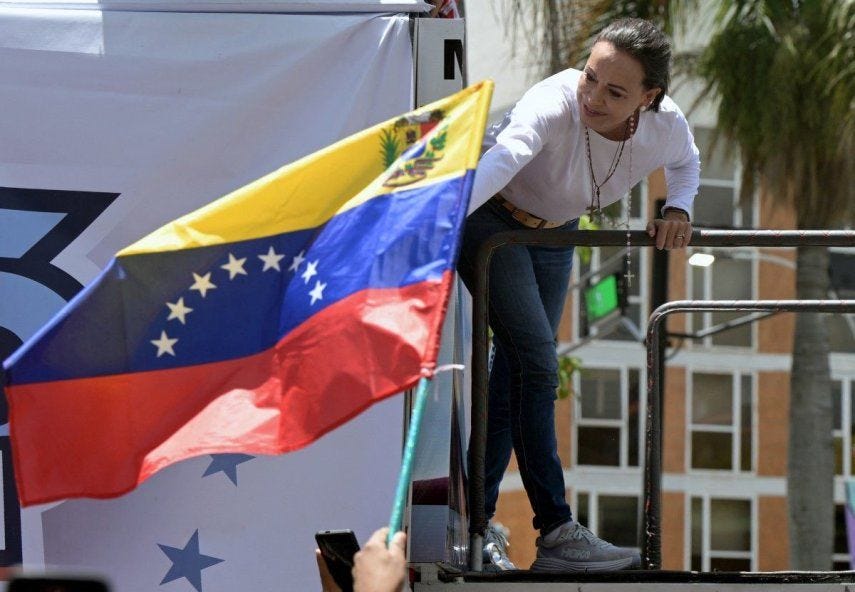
[{"x": 338, "y": 548}]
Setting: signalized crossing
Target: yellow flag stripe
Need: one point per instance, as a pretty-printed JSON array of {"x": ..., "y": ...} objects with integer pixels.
[{"x": 310, "y": 191}]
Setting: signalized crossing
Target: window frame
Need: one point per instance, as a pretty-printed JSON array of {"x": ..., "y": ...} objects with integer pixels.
[
  {"x": 735, "y": 429},
  {"x": 706, "y": 533},
  {"x": 706, "y": 321},
  {"x": 594, "y": 508},
  {"x": 622, "y": 424}
]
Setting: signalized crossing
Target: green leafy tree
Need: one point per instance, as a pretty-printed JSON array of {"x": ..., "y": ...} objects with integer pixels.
[
  {"x": 783, "y": 75},
  {"x": 783, "y": 72}
]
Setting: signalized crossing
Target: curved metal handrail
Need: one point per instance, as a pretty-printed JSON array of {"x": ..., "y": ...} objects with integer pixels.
[{"x": 634, "y": 238}]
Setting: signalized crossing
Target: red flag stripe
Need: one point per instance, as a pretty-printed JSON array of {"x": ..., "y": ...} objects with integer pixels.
[{"x": 315, "y": 379}]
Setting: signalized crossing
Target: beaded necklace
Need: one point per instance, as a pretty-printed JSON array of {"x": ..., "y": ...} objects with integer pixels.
[{"x": 594, "y": 209}]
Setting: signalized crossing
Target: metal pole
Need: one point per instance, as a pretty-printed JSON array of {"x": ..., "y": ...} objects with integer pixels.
[
  {"x": 637, "y": 238},
  {"x": 651, "y": 548}
]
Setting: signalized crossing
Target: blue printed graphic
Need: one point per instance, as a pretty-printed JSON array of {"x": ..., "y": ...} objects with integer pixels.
[
  {"x": 36, "y": 225},
  {"x": 188, "y": 562},
  {"x": 227, "y": 463}
]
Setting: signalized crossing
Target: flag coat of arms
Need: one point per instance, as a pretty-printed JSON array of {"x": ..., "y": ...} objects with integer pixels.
[{"x": 258, "y": 323}]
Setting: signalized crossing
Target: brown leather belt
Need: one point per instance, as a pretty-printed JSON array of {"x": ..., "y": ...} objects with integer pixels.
[{"x": 524, "y": 217}]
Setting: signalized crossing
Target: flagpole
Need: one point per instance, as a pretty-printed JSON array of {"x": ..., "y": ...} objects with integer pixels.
[{"x": 407, "y": 464}]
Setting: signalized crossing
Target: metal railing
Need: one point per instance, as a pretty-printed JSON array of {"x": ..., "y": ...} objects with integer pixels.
[{"x": 653, "y": 449}]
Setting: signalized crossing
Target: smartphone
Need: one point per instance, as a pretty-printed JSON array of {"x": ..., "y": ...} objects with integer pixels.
[
  {"x": 338, "y": 548},
  {"x": 55, "y": 584}
]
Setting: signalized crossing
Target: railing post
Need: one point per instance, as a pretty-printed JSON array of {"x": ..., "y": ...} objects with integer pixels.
[{"x": 637, "y": 238}]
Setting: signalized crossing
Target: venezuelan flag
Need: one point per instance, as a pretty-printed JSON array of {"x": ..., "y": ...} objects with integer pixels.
[{"x": 259, "y": 322}]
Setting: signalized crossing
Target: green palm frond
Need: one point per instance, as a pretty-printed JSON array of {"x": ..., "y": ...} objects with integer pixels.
[
  {"x": 390, "y": 147},
  {"x": 783, "y": 77}
]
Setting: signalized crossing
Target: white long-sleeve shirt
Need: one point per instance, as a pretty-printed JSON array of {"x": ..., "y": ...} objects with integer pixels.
[{"x": 536, "y": 156}]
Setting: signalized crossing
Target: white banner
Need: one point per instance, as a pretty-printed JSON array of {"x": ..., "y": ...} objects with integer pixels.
[{"x": 115, "y": 122}]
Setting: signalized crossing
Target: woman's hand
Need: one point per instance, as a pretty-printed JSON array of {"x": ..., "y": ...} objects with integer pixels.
[{"x": 674, "y": 231}]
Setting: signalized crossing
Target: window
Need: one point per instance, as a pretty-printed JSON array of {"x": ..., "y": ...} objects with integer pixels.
[
  {"x": 721, "y": 422},
  {"x": 842, "y": 392},
  {"x": 841, "y": 544},
  {"x": 717, "y": 204},
  {"x": 841, "y": 327},
  {"x": 614, "y": 518},
  {"x": 607, "y": 417},
  {"x": 721, "y": 534},
  {"x": 727, "y": 278}
]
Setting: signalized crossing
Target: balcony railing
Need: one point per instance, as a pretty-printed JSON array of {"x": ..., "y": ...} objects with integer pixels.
[{"x": 651, "y": 544}]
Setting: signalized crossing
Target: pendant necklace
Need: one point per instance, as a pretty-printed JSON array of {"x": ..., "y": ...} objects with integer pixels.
[{"x": 594, "y": 210}]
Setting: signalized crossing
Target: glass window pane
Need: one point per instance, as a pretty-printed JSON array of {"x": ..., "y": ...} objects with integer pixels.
[
  {"x": 582, "y": 515},
  {"x": 746, "y": 432},
  {"x": 621, "y": 333},
  {"x": 712, "y": 451},
  {"x": 600, "y": 394},
  {"x": 634, "y": 409},
  {"x": 697, "y": 534},
  {"x": 718, "y": 163},
  {"x": 617, "y": 520},
  {"x": 712, "y": 398},
  {"x": 838, "y": 455},
  {"x": 729, "y": 564},
  {"x": 730, "y": 524},
  {"x": 739, "y": 336},
  {"x": 840, "y": 335},
  {"x": 841, "y": 566},
  {"x": 731, "y": 278},
  {"x": 837, "y": 403},
  {"x": 851, "y": 423},
  {"x": 599, "y": 446},
  {"x": 714, "y": 206},
  {"x": 609, "y": 260},
  {"x": 698, "y": 283},
  {"x": 840, "y": 543}
]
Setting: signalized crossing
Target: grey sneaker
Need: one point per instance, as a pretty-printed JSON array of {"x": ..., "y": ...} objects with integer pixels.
[
  {"x": 572, "y": 547},
  {"x": 496, "y": 547}
]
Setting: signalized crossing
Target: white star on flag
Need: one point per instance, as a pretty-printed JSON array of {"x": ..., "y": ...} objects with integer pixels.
[
  {"x": 271, "y": 260},
  {"x": 234, "y": 266},
  {"x": 178, "y": 310},
  {"x": 311, "y": 269},
  {"x": 203, "y": 283},
  {"x": 164, "y": 344},
  {"x": 318, "y": 292},
  {"x": 297, "y": 261}
]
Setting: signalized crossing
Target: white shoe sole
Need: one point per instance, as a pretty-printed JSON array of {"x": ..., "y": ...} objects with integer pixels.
[{"x": 549, "y": 564}]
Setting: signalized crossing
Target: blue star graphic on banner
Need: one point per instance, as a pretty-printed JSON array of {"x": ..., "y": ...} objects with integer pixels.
[
  {"x": 227, "y": 463},
  {"x": 187, "y": 562}
]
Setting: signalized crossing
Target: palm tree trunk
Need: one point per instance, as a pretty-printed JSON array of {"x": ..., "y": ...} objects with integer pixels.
[
  {"x": 552, "y": 24},
  {"x": 810, "y": 484}
]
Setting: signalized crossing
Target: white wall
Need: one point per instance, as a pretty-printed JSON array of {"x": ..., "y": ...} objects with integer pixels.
[{"x": 490, "y": 53}]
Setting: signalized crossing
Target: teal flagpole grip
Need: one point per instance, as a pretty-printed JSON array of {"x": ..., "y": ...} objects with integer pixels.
[{"x": 403, "y": 487}]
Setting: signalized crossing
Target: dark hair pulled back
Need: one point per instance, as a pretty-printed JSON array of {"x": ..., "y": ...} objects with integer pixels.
[{"x": 647, "y": 44}]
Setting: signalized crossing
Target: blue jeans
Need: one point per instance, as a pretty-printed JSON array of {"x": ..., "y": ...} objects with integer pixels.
[{"x": 528, "y": 286}]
